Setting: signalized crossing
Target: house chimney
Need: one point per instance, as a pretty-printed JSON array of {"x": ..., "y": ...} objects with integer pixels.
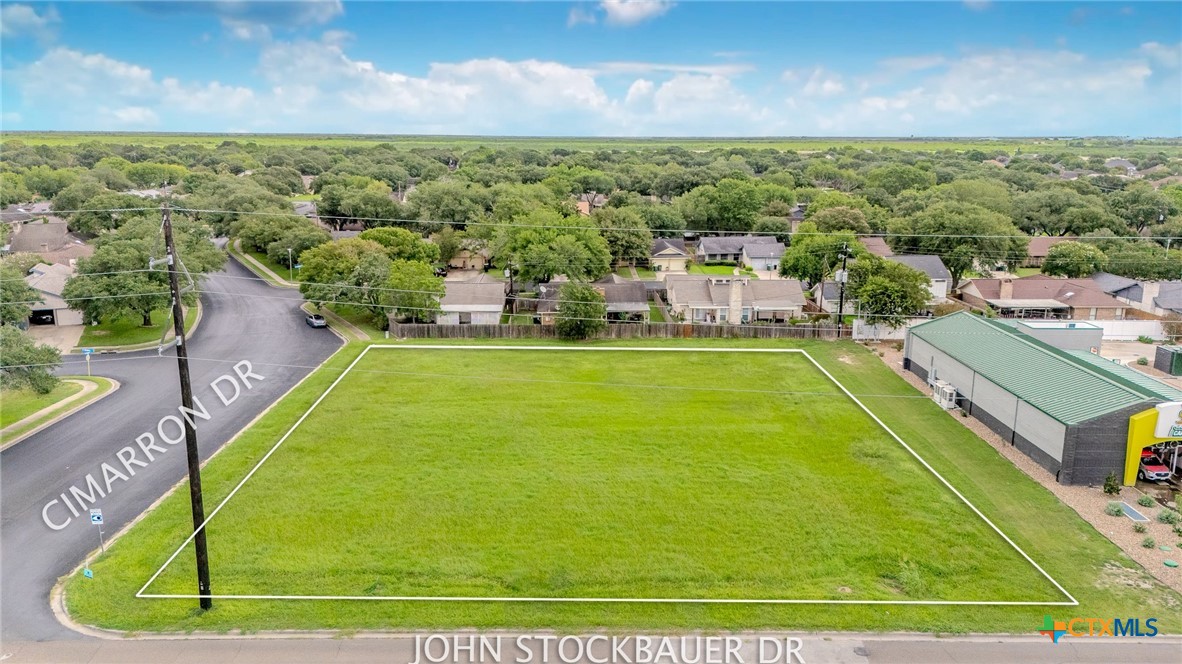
[
  {"x": 734, "y": 312},
  {"x": 1149, "y": 291},
  {"x": 1007, "y": 290}
]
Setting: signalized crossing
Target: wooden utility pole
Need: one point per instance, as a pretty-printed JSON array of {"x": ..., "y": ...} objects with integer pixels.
[
  {"x": 194, "y": 457},
  {"x": 842, "y": 277}
]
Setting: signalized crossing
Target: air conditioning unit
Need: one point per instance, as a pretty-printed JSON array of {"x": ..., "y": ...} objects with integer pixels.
[{"x": 944, "y": 393}]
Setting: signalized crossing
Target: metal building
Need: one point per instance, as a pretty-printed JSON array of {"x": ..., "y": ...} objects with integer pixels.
[{"x": 1069, "y": 410}]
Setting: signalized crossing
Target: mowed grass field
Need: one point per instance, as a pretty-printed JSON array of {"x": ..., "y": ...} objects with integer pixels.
[
  {"x": 612, "y": 474},
  {"x": 804, "y": 143}
]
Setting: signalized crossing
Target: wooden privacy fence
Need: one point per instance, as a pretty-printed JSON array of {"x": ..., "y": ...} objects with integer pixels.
[{"x": 621, "y": 331}]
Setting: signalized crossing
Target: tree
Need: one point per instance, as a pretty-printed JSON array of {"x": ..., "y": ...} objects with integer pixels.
[
  {"x": 48, "y": 181},
  {"x": 627, "y": 237},
  {"x": 450, "y": 242},
  {"x": 837, "y": 219},
  {"x": 24, "y": 363},
  {"x": 147, "y": 174},
  {"x": 889, "y": 300},
  {"x": 543, "y": 244},
  {"x": 402, "y": 244},
  {"x": 663, "y": 220},
  {"x": 1140, "y": 206},
  {"x": 14, "y": 294},
  {"x": 13, "y": 189},
  {"x": 413, "y": 290},
  {"x": 729, "y": 206},
  {"x": 814, "y": 255},
  {"x": 944, "y": 227},
  {"x": 330, "y": 269},
  {"x": 582, "y": 312},
  {"x": 298, "y": 239},
  {"x": 1057, "y": 211},
  {"x": 107, "y": 211},
  {"x": 777, "y": 226},
  {"x": 1074, "y": 259},
  {"x": 895, "y": 178}
]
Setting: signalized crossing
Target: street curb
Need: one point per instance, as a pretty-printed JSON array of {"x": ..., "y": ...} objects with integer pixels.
[
  {"x": 57, "y": 595},
  {"x": 308, "y": 307},
  {"x": 115, "y": 385},
  {"x": 261, "y": 271},
  {"x": 109, "y": 350}
]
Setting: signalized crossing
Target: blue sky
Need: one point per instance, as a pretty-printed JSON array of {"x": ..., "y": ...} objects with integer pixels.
[{"x": 596, "y": 68}]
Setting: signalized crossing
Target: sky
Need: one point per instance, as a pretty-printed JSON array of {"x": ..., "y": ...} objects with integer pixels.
[{"x": 608, "y": 68}]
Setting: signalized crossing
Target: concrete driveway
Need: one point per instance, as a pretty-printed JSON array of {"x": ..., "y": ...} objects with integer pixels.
[
  {"x": 1127, "y": 353},
  {"x": 61, "y": 337}
]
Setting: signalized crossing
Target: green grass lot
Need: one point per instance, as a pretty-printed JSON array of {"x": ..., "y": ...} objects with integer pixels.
[
  {"x": 655, "y": 313},
  {"x": 361, "y": 318},
  {"x": 306, "y": 197},
  {"x": 130, "y": 331},
  {"x": 16, "y": 405},
  {"x": 698, "y": 268},
  {"x": 275, "y": 266},
  {"x": 465, "y": 473},
  {"x": 1027, "y": 271},
  {"x": 586, "y": 143},
  {"x": 517, "y": 319}
]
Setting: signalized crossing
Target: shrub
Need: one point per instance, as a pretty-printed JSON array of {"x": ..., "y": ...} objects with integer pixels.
[
  {"x": 1144, "y": 339},
  {"x": 1111, "y": 486},
  {"x": 1113, "y": 509},
  {"x": 898, "y": 345},
  {"x": 1169, "y": 517},
  {"x": 1145, "y": 501},
  {"x": 1139, "y": 528},
  {"x": 1148, "y": 543},
  {"x": 1178, "y": 529},
  {"x": 1142, "y": 361},
  {"x": 964, "y": 413}
]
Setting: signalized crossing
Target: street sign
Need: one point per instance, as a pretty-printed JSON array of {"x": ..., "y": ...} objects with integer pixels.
[
  {"x": 87, "y": 351},
  {"x": 299, "y": 265},
  {"x": 96, "y": 517}
]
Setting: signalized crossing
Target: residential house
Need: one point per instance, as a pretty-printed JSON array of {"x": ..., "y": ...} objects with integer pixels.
[
  {"x": 732, "y": 299},
  {"x": 40, "y": 236},
  {"x": 827, "y": 295},
  {"x": 796, "y": 217},
  {"x": 762, "y": 255},
  {"x": 933, "y": 267},
  {"x": 588, "y": 203},
  {"x": 1158, "y": 298},
  {"x": 1038, "y": 247},
  {"x": 469, "y": 259},
  {"x": 668, "y": 255},
  {"x": 49, "y": 280},
  {"x": 626, "y": 300},
  {"x": 877, "y": 246},
  {"x": 1040, "y": 296},
  {"x": 306, "y": 208},
  {"x": 480, "y": 301},
  {"x": 727, "y": 248},
  {"x": 1129, "y": 167}
]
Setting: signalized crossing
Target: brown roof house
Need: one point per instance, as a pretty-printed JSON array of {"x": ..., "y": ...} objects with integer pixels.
[
  {"x": 1036, "y": 250},
  {"x": 877, "y": 246},
  {"x": 627, "y": 301},
  {"x": 1040, "y": 296},
  {"x": 733, "y": 299}
]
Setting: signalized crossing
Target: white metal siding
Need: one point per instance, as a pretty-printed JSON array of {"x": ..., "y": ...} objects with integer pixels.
[
  {"x": 992, "y": 399},
  {"x": 1045, "y": 433}
]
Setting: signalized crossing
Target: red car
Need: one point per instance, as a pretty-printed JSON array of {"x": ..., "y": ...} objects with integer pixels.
[{"x": 1152, "y": 468}]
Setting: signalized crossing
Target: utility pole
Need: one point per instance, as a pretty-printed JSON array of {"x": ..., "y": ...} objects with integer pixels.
[
  {"x": 182, "y": 360},
  {"x": 842, "y": 276},
  {"x": 289, "y": 264}
]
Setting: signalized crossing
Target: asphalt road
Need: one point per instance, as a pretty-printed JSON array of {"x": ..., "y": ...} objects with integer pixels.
[{"x": 247, "y": 320}]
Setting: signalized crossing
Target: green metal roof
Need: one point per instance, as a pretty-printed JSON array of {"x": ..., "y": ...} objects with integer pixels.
[{"x": 1066, "y": 386}]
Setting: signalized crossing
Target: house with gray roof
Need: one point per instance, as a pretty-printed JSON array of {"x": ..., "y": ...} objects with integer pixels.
[
  {"x": 480, "y": 301},
  {"x": 735, "y": 300},
  {"x": 762, "y": 255},
  {"x": 49, "y": 280},
  {"x": 668, "y": 255},
  {"x": 933, "y": 267},
  {"x": 626, "y": 300},
  {"x": 727, "y": 248},
  {"x": 1160, "y": 298},
  {"x": 1067, "y": 409}
]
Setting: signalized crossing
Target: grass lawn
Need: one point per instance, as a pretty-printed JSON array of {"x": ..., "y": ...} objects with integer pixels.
[
  {"x": 306, "y": 197},
  {"x": 276, "y": 267},
  {"x": 15, "y": 405},
  {"x": 698, "y": 268},
  {"x": 130, "y": 331},
  {"x": 1027, "y": 271},
  {"x": 19, "y": 404},
  {"x": 646, "y": 274},
  {"x": 517, "y": 319},
  {"x": 531, "y": 473},
  {"x": 655, "y": 313},
  {"x": 358, "y": 317}
]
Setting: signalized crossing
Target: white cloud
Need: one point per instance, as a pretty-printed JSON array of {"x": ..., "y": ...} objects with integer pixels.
[
  {"x": 978, "y": 5},
  {"x": 823, "y": 84},
  {"x": 18, "y": 21},
  {"x": 255, "y": 19},
  {"x": 631, "y": 12},
  {"x": 11, "y": 117},
  {"x": 579, "y": 16},
  {"x": 1164, "y": 54},
  {"x": 134, "y": 116},
  {"x": 640, "y": 91},
  {"x": 668, "y": 68}
]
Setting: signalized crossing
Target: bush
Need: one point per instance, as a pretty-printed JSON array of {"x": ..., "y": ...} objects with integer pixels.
[
  {"x": 1142, "y": 361},
  {"x": 1168, "y": 517},
  {"x": 1111, "y": 486},
  {"x": 1113, "y": 509},
  {"x": 1139, "y": 528},
  {"x": 1148, "y": 543},
  {"x": 1144, "y": 339},
  {"x": 1178, "y": 529},
  {"x": 898, "y": 346},
  {"x": 1145, "y": 501}
]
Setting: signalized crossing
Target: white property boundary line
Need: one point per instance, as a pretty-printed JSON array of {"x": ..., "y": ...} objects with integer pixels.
[{"x": 650, "y": 600}]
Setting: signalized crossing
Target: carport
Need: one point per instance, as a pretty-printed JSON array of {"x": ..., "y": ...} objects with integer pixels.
[{"x": 1157, "y": 425}]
